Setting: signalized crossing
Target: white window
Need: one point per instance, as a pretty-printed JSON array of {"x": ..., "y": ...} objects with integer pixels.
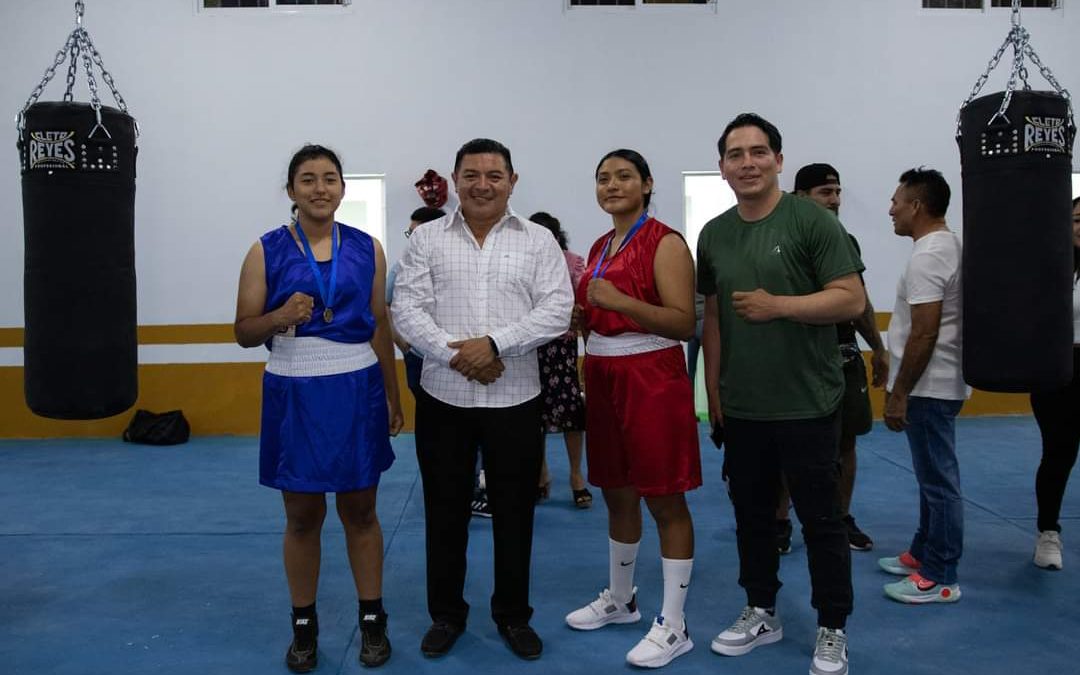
[
  {"x": 705, "y": 195},
  {"x": 1044, "y": 4},
  {"x": 982, "y": 4},
  {"x": 278, "y": 6},
  {"x": 1076, "y": 185},
  {"x": 364, "y": 204},
  {"x": 644, "y": 4}
]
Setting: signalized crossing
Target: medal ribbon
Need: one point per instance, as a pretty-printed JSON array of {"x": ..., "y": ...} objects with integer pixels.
[
  {"x": 327, "y": 297},
  {"x": 601, "y": 264}
]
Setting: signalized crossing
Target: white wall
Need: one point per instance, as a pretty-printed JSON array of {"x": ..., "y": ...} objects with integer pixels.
[{"x": 871, "y": 86}]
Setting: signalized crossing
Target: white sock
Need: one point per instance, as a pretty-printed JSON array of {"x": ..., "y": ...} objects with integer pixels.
[
  {"x": 676, "y": 581},
  {"x": 622, "y": 559}
]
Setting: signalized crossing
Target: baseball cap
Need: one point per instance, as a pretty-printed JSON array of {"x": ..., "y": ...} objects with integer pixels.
[{"x": 813, "y": 175}]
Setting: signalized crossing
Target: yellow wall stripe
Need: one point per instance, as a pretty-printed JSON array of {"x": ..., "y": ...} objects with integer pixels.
[
  {"x": 164, "y": 334},
  {"x": 225, "y": 398}
]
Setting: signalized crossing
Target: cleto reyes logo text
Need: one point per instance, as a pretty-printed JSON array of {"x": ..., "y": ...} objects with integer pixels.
[
  {"x": 52, "y": 150},
  {"x": 1045, "y": 134}
]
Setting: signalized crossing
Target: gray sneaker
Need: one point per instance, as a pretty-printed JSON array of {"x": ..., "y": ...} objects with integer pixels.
[
  {"x": 754, "y": 627},
  {"x": 830, "y": 653}
]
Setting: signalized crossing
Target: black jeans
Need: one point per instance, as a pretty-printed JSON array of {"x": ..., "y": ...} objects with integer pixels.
[
  {"x": 806, "y": 452},
  {"x": 511, "y": 441},
  {"x": 1058, "y": 415}
]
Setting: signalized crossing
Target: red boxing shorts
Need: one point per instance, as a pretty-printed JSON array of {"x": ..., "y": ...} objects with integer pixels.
[{"x": 641, "y": 430}]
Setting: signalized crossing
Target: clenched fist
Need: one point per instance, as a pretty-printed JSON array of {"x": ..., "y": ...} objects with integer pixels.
[
  {"x": 603, "y": 294},
  {"x": 296, "y": 310}
]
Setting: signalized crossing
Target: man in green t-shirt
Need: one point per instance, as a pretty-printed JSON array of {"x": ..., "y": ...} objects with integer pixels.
[{"x": 778, "y": 273}]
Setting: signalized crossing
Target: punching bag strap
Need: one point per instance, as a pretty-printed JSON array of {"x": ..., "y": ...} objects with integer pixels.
[
  {"x": 78, "y": 44},
  {"x": 1020, "y": 40}
]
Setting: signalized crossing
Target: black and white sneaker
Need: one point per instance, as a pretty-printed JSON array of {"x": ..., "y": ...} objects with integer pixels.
[
  {"x": 303, "y": 654},
  {"x": 374, "y": 643},
  {"x": 857, "y": 539},
  {"x": 480, "y": 505}
]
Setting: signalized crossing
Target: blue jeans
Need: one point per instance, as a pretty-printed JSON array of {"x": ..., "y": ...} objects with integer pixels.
[{"x": 931, "y": 433}]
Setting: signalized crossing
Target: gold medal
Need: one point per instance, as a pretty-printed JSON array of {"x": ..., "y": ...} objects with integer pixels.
[{"x": 328, "y": 315}]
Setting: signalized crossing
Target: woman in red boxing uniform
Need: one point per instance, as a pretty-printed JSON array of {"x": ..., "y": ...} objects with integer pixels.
[{"x": 635, "y": 303}]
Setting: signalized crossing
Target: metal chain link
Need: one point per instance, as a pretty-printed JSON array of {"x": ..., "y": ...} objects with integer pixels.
[
  {"x": 73, "y": 67},
  {"x": 1045, "y": 72},
  {"x": 50, "y": 72},
  {"x": 105, "y": 75},
  {"x": 78, "y": 44},
  {"x": 95, "y": 100},
  {"x": 1020, "y": 40}
]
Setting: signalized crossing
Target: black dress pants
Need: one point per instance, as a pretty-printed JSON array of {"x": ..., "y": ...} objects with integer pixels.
[{"x": 511, "y": 442}]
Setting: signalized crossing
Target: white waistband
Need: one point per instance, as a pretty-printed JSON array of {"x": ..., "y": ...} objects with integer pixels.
[
  {"x": 316, "y": 356},
  {"x": 626, "y": 344}
]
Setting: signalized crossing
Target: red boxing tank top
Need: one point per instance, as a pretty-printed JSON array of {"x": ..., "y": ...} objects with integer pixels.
[{"x": 631, "y": 271}]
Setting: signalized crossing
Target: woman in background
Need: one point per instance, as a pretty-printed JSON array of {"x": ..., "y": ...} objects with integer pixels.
[
  {"x": 1058, "y": 415},
  {"x": 563, "y": 404}
]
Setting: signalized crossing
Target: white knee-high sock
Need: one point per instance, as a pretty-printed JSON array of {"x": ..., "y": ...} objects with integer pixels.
[
  {"x": 622, "y": 559},
  {"x": 676, "y": 581}
]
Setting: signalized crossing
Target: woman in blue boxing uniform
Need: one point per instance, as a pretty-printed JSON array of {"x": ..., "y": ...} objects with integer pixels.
[{"x": 313, "y": 291}]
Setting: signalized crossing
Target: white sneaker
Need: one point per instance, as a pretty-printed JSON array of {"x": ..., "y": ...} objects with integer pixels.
[
  {"x": 660, "y": 646},
  {"x": 604, "y": 610},
  {"x": 753, "y": 628},
  {"x": 830, "y": 652},
  {"x": 1048, "y": 550}
]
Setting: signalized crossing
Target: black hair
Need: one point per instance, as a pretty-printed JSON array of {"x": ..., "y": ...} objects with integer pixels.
[
  {"x": 752, "y": 120},
  {"x": 635, "y": 158},
  {"x": 426, "y": 214},
  {"x": 483, "y": 146},
  {"x": 310, "y": 151},
  {"x": 552, "y": 223},
  {"x": 931, "y": 187}
]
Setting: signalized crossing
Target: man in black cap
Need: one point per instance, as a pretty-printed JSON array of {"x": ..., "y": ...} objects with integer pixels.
[{"x": 821, "y": 183}]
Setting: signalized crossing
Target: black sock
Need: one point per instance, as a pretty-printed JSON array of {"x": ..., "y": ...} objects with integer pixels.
[
  {"x": 372, "y": 608},
  {"x": 305, "y": 626}
]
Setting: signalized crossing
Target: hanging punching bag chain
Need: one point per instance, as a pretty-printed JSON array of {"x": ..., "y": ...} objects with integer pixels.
[
  {"x": 78, "y": 44},
  {"x": 1020, "y": 41}
]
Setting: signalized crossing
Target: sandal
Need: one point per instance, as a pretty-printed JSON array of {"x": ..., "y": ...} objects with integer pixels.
[
  {"x": 582, "y": 498},
  {"x": 543, "y": 492}
]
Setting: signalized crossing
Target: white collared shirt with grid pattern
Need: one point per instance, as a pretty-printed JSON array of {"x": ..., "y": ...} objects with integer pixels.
[{"x": 515, "y": 289}]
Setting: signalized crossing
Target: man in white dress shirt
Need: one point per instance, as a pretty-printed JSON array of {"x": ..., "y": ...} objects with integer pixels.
[{"x": 477, "y": 292}]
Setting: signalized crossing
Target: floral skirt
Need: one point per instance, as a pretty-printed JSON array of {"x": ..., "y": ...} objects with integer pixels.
[{"x": 563, "y": 406}]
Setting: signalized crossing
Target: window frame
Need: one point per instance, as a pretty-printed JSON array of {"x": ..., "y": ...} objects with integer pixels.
[
  {"x": 686, "y": 224},
  {"x": 380, "y": 232},
  {"x": 346, "y": 7},
  {"x": 711, "y": 7},
  {"x": 986, "y": 8}
]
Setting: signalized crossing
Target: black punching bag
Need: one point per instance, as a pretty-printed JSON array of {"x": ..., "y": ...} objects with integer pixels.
[
  {"x": 80, "y": 351},
  {"x": 1018, "y": 251}
]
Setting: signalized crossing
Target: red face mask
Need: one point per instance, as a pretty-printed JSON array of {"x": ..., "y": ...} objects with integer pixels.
[{"x": 432, "y": 189}]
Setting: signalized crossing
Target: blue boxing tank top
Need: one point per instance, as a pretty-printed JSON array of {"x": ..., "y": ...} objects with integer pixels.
[{"x": 287, "y": 271}]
